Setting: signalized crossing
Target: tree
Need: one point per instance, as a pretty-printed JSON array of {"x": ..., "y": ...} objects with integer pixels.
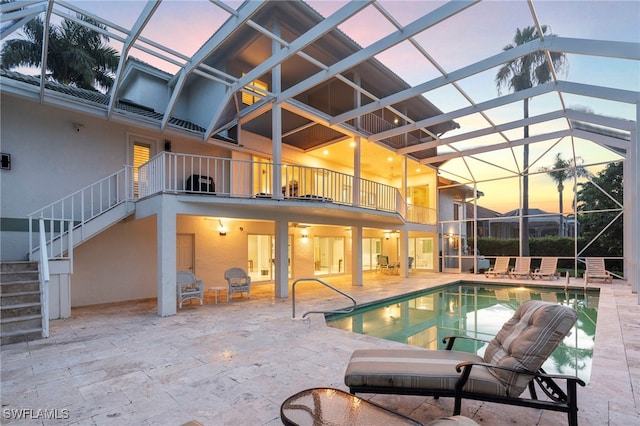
[
  {"x": 599, "y": 202},
  {"x": 561, "y": 171},
  {"x": 77, "y": 55},
  {"x": 520, "y": 74}
]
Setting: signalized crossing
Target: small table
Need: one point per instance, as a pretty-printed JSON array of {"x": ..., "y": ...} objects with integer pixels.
[
  {"x": 326, "y": 406},
  {"x": 215, "y": 290}
]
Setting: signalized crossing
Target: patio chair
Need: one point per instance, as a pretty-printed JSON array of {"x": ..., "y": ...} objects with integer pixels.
[
  {"x": 188, "y": 287},
  {"x": 383, "y": 264},
  {"x": 511, "y": 363},
  {"x": 238, "y": 281},
  {"x": 410, "y": 264},
  {"x": 522, "y": 268},
  {"x": 595, "y": 270},
  {"x": 548, "y": 269},
  {"x": 500, "y": 268}
]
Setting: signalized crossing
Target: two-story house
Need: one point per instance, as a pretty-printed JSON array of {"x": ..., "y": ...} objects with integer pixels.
[{"x": 235, "y": 160}]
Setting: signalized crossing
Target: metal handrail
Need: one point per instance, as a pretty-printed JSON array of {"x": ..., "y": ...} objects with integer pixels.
[{"x": 337, "y": 311}]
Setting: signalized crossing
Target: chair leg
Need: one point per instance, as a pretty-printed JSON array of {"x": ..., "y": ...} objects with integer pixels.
[{"x": 457, "y": 406}]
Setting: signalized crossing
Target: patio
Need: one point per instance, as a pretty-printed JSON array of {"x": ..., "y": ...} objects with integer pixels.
[{"x": 234, "y": 363}]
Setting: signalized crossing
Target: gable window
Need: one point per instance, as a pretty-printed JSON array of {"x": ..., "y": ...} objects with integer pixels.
[{"x": 254, "y": 91}]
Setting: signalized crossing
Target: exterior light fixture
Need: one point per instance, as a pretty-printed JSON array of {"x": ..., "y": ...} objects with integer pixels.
[{"x": 221, "y": 229}]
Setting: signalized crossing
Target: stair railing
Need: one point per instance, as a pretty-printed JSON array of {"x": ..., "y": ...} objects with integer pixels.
[
  {"x": 337, "y": 311},
  {"x": 44, "y": 280},
  {"x": 77, "y": 209}
]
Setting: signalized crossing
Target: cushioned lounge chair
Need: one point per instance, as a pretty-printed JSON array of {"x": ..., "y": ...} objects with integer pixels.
[
  {"x": 522, "y": 268},
  {"x": 595, "y": 270},
  {"x": 548, "y": 269},
  {"x": 512, "y": 362},
  {"x": 499, "y": 269}
]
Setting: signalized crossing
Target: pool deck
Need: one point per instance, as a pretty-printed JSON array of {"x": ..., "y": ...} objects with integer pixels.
[{"x": 234, "y": 363}]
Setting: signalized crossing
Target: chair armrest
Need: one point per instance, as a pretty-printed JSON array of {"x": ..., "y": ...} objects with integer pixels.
[
  {"x": 465, "y": 368},
  {"x": 450, "y": 340}
]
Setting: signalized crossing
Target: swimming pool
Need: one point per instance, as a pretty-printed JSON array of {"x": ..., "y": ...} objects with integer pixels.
[{"x": 478, "y": 310}]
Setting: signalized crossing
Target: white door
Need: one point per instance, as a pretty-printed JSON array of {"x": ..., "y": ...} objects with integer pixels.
[{"x": 185, "y": 252}]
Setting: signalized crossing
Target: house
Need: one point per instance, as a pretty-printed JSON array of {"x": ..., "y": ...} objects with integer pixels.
[
  {"x": 279, "y": 145},
  {"x": 203, "y": 173}
]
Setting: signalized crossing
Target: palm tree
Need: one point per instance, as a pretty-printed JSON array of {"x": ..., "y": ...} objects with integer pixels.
[
  {"x": 561, "y": 171},
  {"x": 77, "y": 55},
  {"x": 520, "y": 74}
]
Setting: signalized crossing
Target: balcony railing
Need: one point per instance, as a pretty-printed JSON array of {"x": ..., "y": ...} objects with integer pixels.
[{"x": 181, "y": 173}]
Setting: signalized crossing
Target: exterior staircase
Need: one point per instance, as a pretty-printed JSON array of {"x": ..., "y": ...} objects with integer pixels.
[{"x": 20, "y": 306}]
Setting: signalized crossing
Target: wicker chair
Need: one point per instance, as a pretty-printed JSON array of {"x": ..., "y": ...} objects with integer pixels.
[
  {"x": 238, "y": 281},
  {"x": 188, "y": 287}
]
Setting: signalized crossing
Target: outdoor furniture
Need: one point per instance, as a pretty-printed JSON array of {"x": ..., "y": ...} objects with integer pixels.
[
  {"x": 548, "y": 269},
  {"x": 511, "y": 363},
  {"x": 216, "y": 291},
  {"x": 238, "y": 282},
  {"x": 384, "y": 265},
  {"x": 188, "y": 287},
  {"x": 595, "y": 270},
  {"x": 325, "y": 406},
  {"x": 499, "y": 269},
  {"x": 410, "y": 264},
  {"x": 522, "y": 268}
]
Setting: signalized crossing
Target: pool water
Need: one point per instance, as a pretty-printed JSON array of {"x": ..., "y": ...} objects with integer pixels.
[{"x": 477, "y": 310}]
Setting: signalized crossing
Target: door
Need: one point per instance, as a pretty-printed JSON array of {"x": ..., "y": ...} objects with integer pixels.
[{"x": 185, "y": 249}]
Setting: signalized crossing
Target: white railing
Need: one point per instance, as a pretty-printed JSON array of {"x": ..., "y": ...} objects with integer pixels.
[
  {"x": 75, "y": 210},
  {"x": 44, "y": 280},
  {"x": 419, "y": 214},
  {"x": 183, "y": 173}
]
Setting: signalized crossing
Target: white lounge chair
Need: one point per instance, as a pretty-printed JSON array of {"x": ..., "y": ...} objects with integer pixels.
[
  {"x": 548, "y": 269},
  {"x": 596, "y": 270},
  {"x": 500, "y": 268},
  {"x": 522, "y": 268}
]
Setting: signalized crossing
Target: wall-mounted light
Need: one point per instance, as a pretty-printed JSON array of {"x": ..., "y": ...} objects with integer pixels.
[
  {"x": 77, "y": 126},
  {"x": 221, "y": 229},
  {"x": 387, "y": 235},
  {"x": 304, "y": 235}
]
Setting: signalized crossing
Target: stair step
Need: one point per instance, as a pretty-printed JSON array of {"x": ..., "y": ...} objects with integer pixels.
[
  {"x": 18, "y": 277},
  {"x": 17, "y": 311},
  {"x": 19, "y": 287},
  {"x": 7, "y": 338},
  {"x": 17, "y": 324},
  {"x": 18, "y": 266},
  {"x": 12, "y": 299}
]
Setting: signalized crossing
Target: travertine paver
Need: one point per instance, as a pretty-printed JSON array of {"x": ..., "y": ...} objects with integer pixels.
[{"x": 235, "y": 362}]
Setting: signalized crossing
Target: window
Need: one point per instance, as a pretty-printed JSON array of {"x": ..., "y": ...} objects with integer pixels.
[{"x": 256, "y": 86}]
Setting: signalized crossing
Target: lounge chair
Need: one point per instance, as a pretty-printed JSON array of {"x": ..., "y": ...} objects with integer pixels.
[
  {"x": 512, "y": 362},
  {"x": 595, "y": 270},
  {"x": 238, "y": 282},
  {"x": 522, "y": 268},
  {"x": 548, "y": 269},
  {"x": 384, "y": 265},
  {"x": 188, "y": 287},
  {"x": 500, "y": 268}
]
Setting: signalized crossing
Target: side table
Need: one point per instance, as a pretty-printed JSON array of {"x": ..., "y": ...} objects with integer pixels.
[{"x": 215, "y": 291}]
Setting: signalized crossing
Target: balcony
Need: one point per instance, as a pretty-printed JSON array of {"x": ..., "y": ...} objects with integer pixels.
[{"x": 192, "y": 174}]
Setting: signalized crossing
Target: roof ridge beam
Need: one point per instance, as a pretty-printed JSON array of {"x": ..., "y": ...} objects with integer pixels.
[{"x": 603, "y": 48}]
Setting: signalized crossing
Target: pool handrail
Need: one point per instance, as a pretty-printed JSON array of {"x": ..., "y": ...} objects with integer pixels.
[{"x": 337, "y": 311}]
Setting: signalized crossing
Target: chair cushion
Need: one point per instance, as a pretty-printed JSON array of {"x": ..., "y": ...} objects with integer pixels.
[
  {"x": 417, "y": 370},
  {"x": 527, "y": 340}
]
